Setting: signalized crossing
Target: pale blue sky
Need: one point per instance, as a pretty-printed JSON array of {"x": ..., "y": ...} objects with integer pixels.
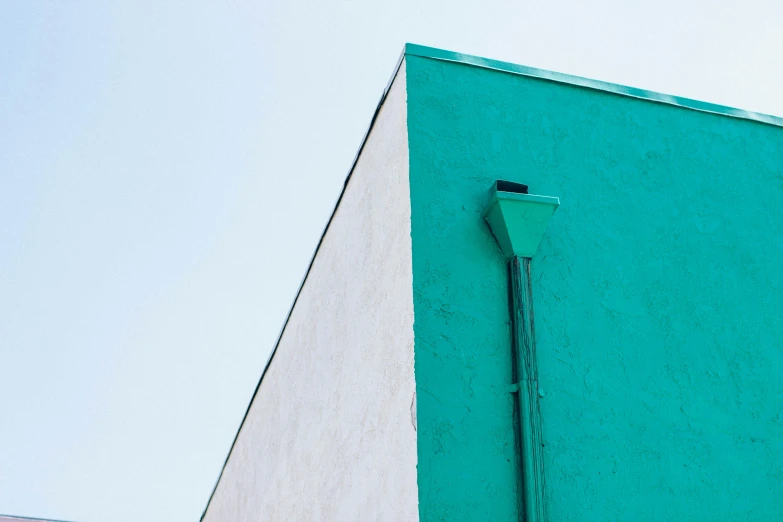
[{"x": 166, "y": 169}]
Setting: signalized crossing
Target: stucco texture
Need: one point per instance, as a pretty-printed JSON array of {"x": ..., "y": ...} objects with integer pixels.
[
  {"x": 657, "y": 293},
  {"x": 329, "y": 435}
]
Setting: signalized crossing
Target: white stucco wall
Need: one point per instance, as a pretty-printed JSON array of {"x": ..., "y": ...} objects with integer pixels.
[{"x": 329, "y": 436}]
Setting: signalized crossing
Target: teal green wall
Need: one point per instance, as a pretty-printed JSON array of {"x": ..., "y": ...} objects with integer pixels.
[{"x": 657, "y": 293}]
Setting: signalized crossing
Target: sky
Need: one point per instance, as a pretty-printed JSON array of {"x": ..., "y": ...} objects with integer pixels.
[{"x": 166, "y": 170}]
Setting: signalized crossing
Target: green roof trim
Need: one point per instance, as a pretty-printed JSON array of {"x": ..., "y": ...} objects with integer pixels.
[{"x": 511, "y": 68}]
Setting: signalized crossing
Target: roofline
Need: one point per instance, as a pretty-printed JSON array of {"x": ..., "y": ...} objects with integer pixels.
[
  {"x": 31, "y": 519},
  {"x": 307, "y": 273},
  {"x": 486, "y": 63},
  {"x": 633, "y": 92}
]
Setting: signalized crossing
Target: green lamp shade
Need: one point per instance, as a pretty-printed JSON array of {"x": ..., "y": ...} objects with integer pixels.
[{"x": 519, "y": 221}]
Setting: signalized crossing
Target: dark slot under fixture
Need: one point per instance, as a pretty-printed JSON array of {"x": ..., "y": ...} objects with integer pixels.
[
  {"x": 510, "y": 186},
  {"x": 518, "y": 221}
]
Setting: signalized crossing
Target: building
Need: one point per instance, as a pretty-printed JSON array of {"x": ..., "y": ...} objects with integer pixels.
[
  {"x": 397, "y": 391},
  {"x": 9, "y": 518}
]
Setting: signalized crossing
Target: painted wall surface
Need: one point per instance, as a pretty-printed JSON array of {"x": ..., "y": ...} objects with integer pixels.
[
  {"x": 657, "y": 292},
  {"x": 330, "y": 435}
]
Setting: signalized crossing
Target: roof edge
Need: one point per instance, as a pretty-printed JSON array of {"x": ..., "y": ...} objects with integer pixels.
[
  {"x": 304, "y": 278},
  {"x": 543, "y": 74},
  {"x": 29, "y": 519}
]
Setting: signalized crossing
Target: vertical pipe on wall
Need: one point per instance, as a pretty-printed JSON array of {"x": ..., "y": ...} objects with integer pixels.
[
  {"x": 518, "y": 221},
  {"x": 526, "y": 369}
]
